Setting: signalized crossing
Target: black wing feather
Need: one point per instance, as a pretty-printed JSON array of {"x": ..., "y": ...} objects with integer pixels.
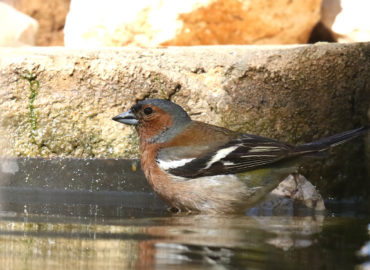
[{"x": 251, "y": 152}]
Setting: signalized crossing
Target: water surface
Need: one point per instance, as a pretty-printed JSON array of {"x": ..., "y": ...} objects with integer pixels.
[{"x": 94, "y": 214}]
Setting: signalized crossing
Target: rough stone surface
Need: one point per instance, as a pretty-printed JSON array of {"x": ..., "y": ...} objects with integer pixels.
[
  {"x": 190, "y": 22},
  {"x": 292, "y": 93},
  {"x": 17, "y": 29}
]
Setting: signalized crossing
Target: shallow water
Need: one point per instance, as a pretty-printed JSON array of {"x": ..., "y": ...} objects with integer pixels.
[
  {"x": 108, "y": 217},
  {"x": 183, "y": 242}
]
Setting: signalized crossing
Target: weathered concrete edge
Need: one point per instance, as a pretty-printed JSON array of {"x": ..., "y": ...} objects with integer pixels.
[{"x": 173, "y": 67}]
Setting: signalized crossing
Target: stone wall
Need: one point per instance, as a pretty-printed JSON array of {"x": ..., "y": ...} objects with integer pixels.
[{"x": 59, "y": 102}]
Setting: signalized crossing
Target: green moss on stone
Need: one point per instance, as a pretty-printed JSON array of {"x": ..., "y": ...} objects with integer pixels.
[{"x": 34, "y": 87}]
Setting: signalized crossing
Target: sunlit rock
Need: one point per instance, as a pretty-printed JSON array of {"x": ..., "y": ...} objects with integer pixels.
[
  {"x": 348, "y": 20},
  {"x": 16, "y": 28},
  {"x": 191, "y": 22},
  {"x": 50, "y": 15}
]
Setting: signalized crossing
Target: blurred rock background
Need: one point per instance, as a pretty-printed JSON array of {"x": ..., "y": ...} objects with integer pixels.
[
  {"x": 50, "y": 16},
  {"x": 147, "y": 23}
]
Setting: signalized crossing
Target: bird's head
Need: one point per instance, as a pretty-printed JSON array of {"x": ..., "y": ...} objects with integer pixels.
[{"x": 156, "y": 120}]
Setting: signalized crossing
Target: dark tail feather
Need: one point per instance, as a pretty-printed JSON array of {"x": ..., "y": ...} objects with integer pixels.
[{"x": 326, "y": 143}]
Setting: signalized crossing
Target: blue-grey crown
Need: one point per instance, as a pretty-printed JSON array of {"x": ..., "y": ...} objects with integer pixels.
[
  {"x": 179, "y": 116},
  {"x": 169, "y": 107}
]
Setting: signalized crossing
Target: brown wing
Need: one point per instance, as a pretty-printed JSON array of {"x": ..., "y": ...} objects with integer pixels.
[
  {"x": 218, "y": 151},
  {"x": 239, "y": 155}
]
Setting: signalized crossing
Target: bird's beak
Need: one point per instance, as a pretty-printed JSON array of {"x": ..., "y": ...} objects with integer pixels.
[{"x": 127, "y": 118}]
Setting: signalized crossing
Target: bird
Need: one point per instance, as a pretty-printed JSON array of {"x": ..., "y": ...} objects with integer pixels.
[{"x": 198, "y": 167}]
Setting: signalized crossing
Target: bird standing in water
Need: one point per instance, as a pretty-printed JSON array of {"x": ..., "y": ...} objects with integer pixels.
[{"x": 195, "y": 166}]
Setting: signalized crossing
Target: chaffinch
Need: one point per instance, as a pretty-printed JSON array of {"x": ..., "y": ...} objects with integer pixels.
[{"x": 195, "y": 166}]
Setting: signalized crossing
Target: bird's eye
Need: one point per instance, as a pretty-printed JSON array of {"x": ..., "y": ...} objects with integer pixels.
[{"x": 148, "y": 110}]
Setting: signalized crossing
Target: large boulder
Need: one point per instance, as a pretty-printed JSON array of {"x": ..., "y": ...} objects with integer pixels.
[
  {"x": 17, "y": 29},
  {"x": 347, "y": 20},
  {"x": 50, "y": 15},
  {"x": 189, "y": 22}
]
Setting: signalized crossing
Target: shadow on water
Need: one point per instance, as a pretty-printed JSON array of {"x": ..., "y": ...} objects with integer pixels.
[
  {"x": 89, "y": 214},
  {"x": 76, "y": 187}
]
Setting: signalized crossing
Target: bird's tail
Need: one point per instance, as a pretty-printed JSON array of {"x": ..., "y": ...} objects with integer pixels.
[{"x": 326, "y": 143}]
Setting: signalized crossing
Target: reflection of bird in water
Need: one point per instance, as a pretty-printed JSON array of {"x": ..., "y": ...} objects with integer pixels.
[{"x": 223, "y": 241}]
